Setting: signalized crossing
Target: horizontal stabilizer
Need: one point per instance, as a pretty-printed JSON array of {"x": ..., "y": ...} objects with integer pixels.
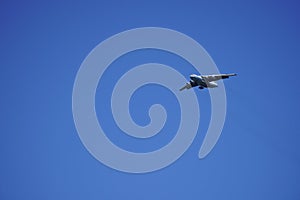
[{"x": 187, "y": 86}]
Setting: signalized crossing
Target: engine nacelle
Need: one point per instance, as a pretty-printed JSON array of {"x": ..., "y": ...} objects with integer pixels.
[
  {"x": 212, "y": 84},
  {"x": 193, "y": 83}
]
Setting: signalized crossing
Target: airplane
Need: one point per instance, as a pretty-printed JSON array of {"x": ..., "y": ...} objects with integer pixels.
[{"x": 205, "y": 81}]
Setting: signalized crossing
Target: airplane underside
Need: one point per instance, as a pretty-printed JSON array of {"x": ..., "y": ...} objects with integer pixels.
[{"x": 205, "y": 81}]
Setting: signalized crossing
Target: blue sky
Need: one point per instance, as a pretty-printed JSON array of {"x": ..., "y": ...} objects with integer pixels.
[{"x": 42, "y": 47}]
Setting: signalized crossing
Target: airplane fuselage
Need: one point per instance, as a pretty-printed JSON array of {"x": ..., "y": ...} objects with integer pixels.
[{"x": 201, "y": 82}]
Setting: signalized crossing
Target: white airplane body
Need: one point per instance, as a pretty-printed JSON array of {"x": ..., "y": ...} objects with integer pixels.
[{"x": 205, "y": 81}]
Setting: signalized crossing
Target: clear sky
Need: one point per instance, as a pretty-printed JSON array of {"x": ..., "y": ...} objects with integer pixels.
[{"x": 42, "y": 45}]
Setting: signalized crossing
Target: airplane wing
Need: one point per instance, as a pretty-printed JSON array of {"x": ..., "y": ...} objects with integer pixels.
[
  {"x": 216, "y": 77},
  {"x": 187, "y": 86}
]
